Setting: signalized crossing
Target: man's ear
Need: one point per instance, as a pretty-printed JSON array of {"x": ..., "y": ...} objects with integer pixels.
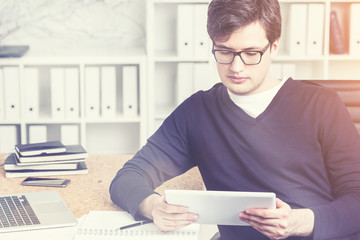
[{"x": 274, "y": 48}]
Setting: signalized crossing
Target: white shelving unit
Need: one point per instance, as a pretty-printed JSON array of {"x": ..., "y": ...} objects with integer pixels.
[
  {"x": 117, "y": 134},
  {"x": 163, "y": 57},
  {"x": 328, "y": 65},
  {"x": 166, "y": 75}
]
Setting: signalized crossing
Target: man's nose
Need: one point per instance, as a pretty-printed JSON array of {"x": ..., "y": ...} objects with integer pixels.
[{"x": 237, "y": 65}]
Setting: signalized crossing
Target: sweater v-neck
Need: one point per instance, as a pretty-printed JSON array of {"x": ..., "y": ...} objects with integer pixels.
[{"x": 245, "y": 116}]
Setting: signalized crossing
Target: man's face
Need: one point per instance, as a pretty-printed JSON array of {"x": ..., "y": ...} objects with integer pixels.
[{"x": 243, "y": 79}]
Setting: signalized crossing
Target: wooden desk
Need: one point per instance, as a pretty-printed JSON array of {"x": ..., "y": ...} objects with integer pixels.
[{"x": 91, "y": 191}]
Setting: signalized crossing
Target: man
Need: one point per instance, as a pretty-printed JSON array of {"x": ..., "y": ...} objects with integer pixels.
[{"x": 253, "y": 132}]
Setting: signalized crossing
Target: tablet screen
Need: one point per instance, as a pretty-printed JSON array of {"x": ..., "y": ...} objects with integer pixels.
[{"x": 220, "y": 207}]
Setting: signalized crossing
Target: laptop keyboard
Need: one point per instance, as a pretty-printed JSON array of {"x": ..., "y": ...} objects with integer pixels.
[{"x": 16, "y": 211}]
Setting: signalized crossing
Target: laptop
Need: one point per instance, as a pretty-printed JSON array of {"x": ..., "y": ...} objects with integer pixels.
[
  {"x": 220, "y": 207},
  {"x": 34, "y": 210}
]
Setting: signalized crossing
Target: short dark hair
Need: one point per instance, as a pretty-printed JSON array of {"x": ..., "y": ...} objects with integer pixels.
[{"x": 226, "y": 16}]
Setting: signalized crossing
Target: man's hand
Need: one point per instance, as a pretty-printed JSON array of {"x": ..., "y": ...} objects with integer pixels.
[
  {"x": 281, "y": 222},
  {"x": 165, "y": 216}
]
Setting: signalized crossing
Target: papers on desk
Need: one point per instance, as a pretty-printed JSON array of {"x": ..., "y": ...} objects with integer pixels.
[{"x": 104, "y": 224}]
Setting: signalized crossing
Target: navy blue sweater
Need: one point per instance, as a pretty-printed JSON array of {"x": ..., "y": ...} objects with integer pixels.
[{"x": 304, "y": 147}]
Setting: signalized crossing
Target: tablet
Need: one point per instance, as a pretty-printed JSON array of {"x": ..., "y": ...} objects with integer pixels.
[{"x": 220, "y": 207}]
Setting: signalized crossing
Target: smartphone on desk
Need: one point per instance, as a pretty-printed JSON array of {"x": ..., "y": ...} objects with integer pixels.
[{"x": 45, "y": 182}]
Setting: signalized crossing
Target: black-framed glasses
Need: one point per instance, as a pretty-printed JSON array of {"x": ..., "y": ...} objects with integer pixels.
[{"x": 248, "y": 57}]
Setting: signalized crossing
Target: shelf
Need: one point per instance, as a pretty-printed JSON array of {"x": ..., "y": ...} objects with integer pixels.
[
  {"x": 343, "y": 1},
  {"x": 302, "y": 1},
  {"x": 72, "y": 60},
  {"x": 299, "y": 58},
  {"x": 115, "y": 120},
  {"x": 344, "y": 57},
  {"x": 10, "y": 122},
  {"x": 51, "y": 121},
  {"x": 67, "y": 121},
  {"x": 62, "y": 96},
  {"x": 180, "y": 59}
]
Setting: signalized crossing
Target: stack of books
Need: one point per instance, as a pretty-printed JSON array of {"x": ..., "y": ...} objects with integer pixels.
[{"x": 45, "y": 159}]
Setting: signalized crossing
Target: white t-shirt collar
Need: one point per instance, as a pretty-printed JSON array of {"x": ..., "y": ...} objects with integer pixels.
[{"x": 255, "y": 104}]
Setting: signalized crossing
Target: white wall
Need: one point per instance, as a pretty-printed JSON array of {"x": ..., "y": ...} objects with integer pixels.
[{"x": 73, "y": 27}]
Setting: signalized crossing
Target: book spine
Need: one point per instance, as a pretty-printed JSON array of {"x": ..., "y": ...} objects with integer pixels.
[{"x": 337, "y": 45}]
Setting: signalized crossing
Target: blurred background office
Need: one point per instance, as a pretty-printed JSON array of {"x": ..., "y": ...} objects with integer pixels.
[{"x": 106, "y": 73}]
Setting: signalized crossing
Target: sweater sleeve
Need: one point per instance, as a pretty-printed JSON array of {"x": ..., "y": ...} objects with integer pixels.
[
  {"x": 165, "y": 155},
  {"x": 341, "y": 150}
]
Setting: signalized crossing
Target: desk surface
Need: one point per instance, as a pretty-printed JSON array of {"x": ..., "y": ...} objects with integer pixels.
[{"x": 91, "y": 191}]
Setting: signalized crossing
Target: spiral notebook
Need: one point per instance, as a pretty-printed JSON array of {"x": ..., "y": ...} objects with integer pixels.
[{"x": 100, "y": 225}]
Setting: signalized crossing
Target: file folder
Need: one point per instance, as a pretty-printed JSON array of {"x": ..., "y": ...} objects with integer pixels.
[
  {"x": 11, "y": 93},
  {"x": 337, "y": 43},
  {"x": 57, "y": 93},
  {"x": 2, "y": 115},
  {"x": 276, "y": 70},
  {"x": 202, "y": 77},
  {"x": 31, "y": 92},
  {"x": 354, "y": 29},
  {"x": 185, "y": 30},
  {"x": 8, "y": 138},
  {"x": 108, "y": 92},
  {"x": 37, "y": 133},
  {"x": 297, "y": 29},
  {"x": 130, "y": 91},
  {"x": 92, "y": 92},
  {"x": 72, "y": 93},
  {"x": 184, "y": 81},
  {"x": 315, "y": 26},
  {"x": 288, "y": 70},
  {"x": 69, "y": 134},
  {"x": 202, "y": 40}
]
